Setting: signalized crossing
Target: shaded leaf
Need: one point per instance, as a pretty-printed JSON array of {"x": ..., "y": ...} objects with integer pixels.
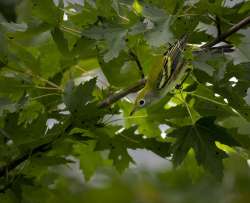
[
  {"x": 201, "y": 137},
  {"x": 46, "y": 11}
]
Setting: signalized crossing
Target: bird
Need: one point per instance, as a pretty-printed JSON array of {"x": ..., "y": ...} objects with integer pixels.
[
  {"x": 171, "y": 70},
  {"x": 165, "y": 74}
]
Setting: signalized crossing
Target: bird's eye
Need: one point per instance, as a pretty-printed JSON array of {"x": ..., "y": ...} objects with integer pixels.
[{"x": 142, "y": 102}]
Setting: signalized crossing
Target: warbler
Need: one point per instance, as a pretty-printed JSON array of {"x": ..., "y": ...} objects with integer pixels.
[{"x": 163, "y": 76}]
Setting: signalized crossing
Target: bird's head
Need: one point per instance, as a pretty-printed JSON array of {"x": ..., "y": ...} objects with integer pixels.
[{"x": 144, "y": 98}]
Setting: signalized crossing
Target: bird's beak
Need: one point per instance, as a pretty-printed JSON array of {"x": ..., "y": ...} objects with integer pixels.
[{"x": 133, "y": 111}]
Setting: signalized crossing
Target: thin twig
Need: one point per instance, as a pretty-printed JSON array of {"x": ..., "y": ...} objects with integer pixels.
[
  {"x": 16, "y": 162},
  {"x": 218, "y": 25},
  {"x": 52, "y": 84},
  {"x": 188, "y": 109},
  {"x": 129, "y": 138},
  {"x": 72, "y": 31},
  {"x": 13, "y": 164},
  {"x": 43, "y": 147},
  {"x": 122, "y": 93},
  {"x": 138, "y": 63},
  {"x": 45, "y": 95},
  {"x": 228, "y": 33},
  {"x": 47, "y": 81},
  {"x": 40, "y": 87}
]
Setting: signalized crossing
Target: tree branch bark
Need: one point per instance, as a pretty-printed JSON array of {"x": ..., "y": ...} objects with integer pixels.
[
  {"x": 122, "y": 93},
  {"x": 228, "y": 33},
  {"x": 14, "y": 163},
  {"x": 44, "y": 147},
  {"x": 138, "y": 63}
]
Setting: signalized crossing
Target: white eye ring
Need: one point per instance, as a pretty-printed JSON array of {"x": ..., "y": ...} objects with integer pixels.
[{"x": 142, "y": 102}]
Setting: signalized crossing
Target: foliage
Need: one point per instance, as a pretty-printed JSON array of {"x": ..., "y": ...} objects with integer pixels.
[{"x": 58, "y": 61}]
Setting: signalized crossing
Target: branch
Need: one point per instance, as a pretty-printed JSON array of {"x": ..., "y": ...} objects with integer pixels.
[
  {"x": 218, "y": 25},
  {"x": 122, "y": 93},
  {"x": 228, "y": 33},
  {"x": 16, "y": 162},
  {"x": 138, "y": 63},
  {"x": 44, "y": 147},
  {"x": 47, "y": 146}
]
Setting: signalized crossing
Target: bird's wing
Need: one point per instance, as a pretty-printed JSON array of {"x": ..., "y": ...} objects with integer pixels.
[{"x": 170, "y": 61}]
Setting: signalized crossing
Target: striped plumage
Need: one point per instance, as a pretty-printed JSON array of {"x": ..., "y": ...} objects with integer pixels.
[
  {"x": 170, "y": 70},
  {"x": 164, "y": 75},
  {"x": 170, "y": 61}
]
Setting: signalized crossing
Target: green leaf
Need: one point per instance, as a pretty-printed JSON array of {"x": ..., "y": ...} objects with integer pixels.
[
  {"x": 49, "y": 161},
  {"x": 50, "y": 59},
  {"x": 153, "y": 13},
  {"x": 14, "y": 27},
  {"x": 13, "y": 85},
  {"x": 202, "y": 137},
  {"x": 146, "y": 125},
  {"x": 34, "y": 35},
  {"x": 84, "y": 48},
  {"x": 239, "y": 128},
  {"x": 207, "y": 108},
  {"x": 46, "y": 11},
  {"x": 160, "y": 34},
  {"x": 107, "y": 9},
  {"x": 7, "y": 106},
  {"x": 90, "y": 160},
  {"x": 127, "y": 139},
  {"x": 116, "y": 44},
  {"x": 238, "y": 103},
  {"x": 30, "y": 112},
  {"x": 22, "y": 58},
  {"x": 9, "y": 197},
  {"x": 207, "y": 104},
  {"x": 233, "y": 122},
  {"x": 114, "y": 38},
  {"x": 39, "y": 165},
  {"x": 82, "y": 104},
  {"x": 245, "y": 7},
  {"x": 118, "y": 149},
  {"x": 121, "y": 67},
  {"x": 76, "y": 97},
  {"x": 204, "y": 67},
  {"x": 21, "y": 135},
  {"x": 61, "y": 42},
  {"x": 86, "y": 16},
  {"x": 241, "y": 54},
  {"x": 205, "y": 93}
]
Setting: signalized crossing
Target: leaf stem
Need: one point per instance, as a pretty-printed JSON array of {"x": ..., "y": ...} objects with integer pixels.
[
  {"x": 138, "y": 63},
  {"x": 128, "y": 138},
  {"x": 45, "y": 95},
  {"x": 72, "y": 31},
  {"x": 40, "y": 87},
  {"x": 35, "y": 76},
  {"x": 187, "y": 107},
  {"x": 207, "y": 99},
  {"x": 228, "y": 33}
]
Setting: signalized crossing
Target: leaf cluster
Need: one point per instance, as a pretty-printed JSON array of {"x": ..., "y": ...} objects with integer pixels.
[{"x": 59, "y": 61}]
